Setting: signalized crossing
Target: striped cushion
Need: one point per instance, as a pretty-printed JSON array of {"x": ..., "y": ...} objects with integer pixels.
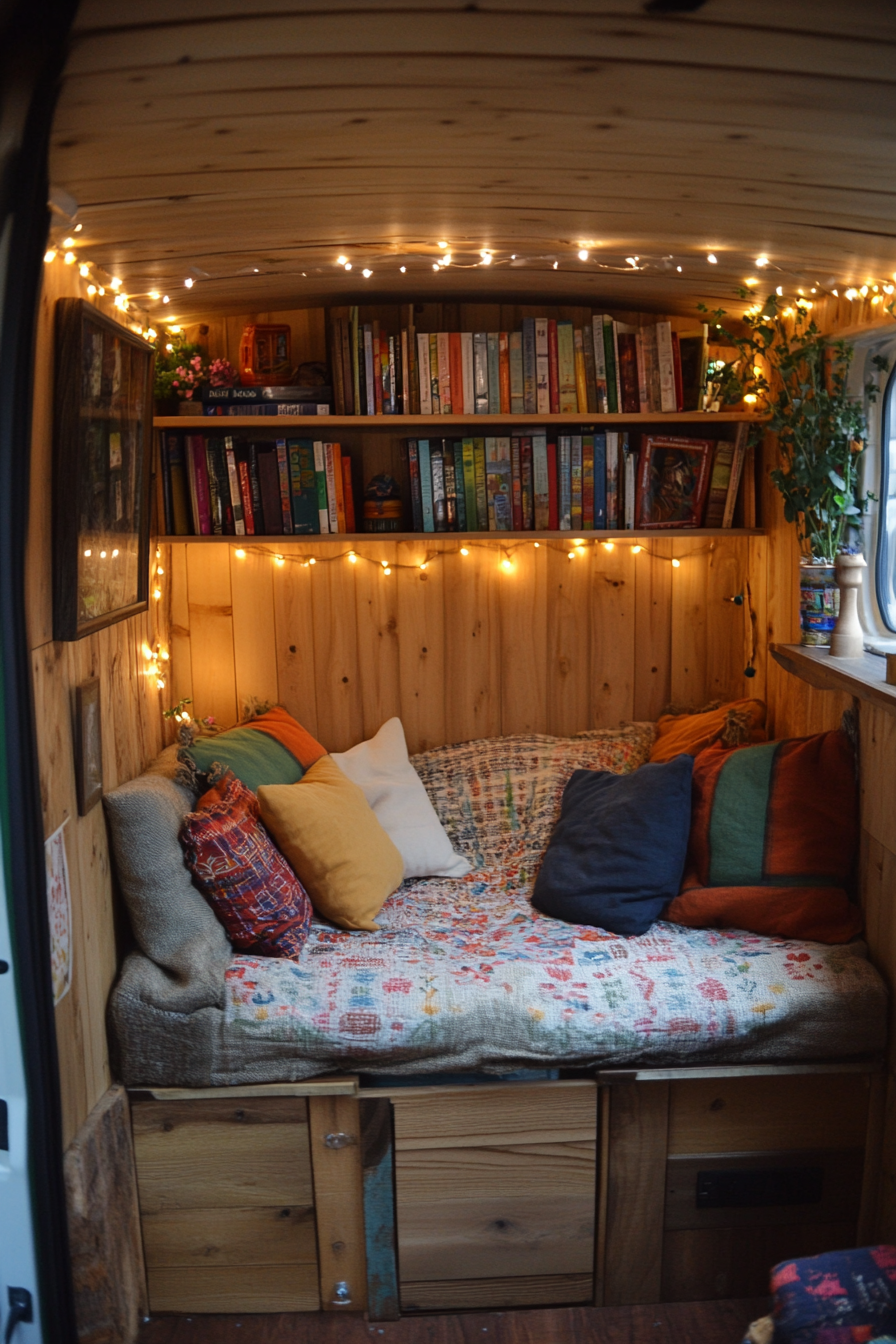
[
  {"x": 270, "y": 749},
  {"x": 774, "y": 829}
]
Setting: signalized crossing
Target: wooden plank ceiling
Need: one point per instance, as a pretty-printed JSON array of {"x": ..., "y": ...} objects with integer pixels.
[{"x": 247, "y": 147}]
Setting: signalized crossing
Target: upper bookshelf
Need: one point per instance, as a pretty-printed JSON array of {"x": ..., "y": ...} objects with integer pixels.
[{"x": 399, "y": 423}]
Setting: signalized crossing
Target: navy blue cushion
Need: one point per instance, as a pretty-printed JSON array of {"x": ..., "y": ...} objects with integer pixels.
[{"x": 617, "y": 853}]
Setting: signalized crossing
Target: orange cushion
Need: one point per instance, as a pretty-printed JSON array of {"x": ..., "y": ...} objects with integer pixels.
[
  {"x": 737, "y": 722},
  {"x": 774, "y": 831}
]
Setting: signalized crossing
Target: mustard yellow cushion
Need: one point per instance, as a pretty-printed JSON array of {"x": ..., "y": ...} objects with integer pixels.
[
  {"x": 735, "y": 724},
  {"x": 340, "y": 853}
]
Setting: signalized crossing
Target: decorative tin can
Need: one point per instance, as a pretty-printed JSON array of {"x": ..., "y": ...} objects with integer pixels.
[{"x": 819, "y": 603}]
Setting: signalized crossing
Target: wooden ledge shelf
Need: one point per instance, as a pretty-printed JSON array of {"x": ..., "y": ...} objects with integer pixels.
[
  {"x": 401, "y": 423},
  {"x": 447, "y": 538},
  {"x": 864, "y": 677}
]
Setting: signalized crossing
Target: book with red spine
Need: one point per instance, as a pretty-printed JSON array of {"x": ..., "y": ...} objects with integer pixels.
[
  {"x": 504, "y": 371},
  {"x": 199, "y": 471},
  {"x": 629, "y": 380},
  {"x": 587, "y": 482},
  {"x": 553, "y": 497},
  {"x": 242, "y": 467},
  {"x": 338, "y": 484},
  {"x": 528, "y": 497},
  {"x": 456, "y": 371},
  {"x": 516, "y": 484},
  {"x": 553, "y": 367},
  {"x": 348, "y": 493}
]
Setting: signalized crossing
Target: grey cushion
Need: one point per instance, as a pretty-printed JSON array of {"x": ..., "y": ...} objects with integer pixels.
[{"x": 172, "y": 922}]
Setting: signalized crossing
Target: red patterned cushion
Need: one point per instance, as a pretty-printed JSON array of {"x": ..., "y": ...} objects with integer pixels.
[{"x": 241, "y": 873}]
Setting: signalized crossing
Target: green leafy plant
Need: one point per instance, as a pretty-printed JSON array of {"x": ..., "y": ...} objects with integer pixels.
[
  {"x": 787, "y": 367},
  {"x": 180, "y": 368}
]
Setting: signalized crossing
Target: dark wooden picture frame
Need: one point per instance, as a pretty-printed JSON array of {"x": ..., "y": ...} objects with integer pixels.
[
  {"x": 673, "y": 478},
  {"x": 101, "y": 471},
  {"x": 88, "y": 745}
]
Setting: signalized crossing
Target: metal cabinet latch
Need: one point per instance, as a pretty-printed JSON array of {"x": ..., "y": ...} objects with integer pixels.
[{"x": 339, "y": 1140}]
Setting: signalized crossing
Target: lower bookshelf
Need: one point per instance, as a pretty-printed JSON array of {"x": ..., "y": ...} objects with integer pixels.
[{"x": 495, "y": 538}]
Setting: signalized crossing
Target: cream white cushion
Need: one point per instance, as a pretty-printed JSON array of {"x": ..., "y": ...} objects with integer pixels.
[{"x": 394, "y": 790}]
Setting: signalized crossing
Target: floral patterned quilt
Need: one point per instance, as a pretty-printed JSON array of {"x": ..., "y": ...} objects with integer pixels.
[{"x": 464, "y": 973}]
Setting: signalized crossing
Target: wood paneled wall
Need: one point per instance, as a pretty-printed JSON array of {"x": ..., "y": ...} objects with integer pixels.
[
  {"x": 463, "y": 649},
  {"x": 132, "y": 735}
]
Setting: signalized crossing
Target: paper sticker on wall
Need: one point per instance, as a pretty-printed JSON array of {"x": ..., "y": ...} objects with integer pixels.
[{"x": 60, "y": 909}]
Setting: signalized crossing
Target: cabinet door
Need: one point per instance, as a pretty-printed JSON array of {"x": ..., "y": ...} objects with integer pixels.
[{"x": 495, "y": 1194}]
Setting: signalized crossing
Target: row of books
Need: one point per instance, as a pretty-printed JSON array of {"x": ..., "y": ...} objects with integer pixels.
[
  {"x": 579, "y": 482},
  {"x": 264, "y": 401},
  {"x": 224, "y": 486},
  {"x": 549, "y": 367}
]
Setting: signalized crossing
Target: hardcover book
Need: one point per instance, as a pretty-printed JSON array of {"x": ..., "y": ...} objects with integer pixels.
[
  {"x": 480, "y": 371},
  {"x": 542, "y": 368},
  {"x": 426, "y": 485},
  {"x": 673, "y": 477},
  {"x": 320, "y": 478},
  {"x": 468, "y": 381},
  {"x": 494, "y": 375},
  {"x": 719, "y": 481},
  {"x": 517, "y": 400},
  {"x": 566, "y": 368}
]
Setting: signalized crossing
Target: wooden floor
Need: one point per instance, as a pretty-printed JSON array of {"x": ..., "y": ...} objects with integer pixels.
[{"x": 677, "y": 1323}]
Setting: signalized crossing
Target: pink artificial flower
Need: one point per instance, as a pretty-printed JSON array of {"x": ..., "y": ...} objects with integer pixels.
[{"x": 175, "y": 383}]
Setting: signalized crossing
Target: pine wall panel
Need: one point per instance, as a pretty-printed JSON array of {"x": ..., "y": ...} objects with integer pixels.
[{"x": 462, "y": 649}]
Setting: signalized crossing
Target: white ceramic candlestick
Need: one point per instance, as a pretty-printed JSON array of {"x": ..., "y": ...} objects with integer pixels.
[{"x": 848, "y": 638}]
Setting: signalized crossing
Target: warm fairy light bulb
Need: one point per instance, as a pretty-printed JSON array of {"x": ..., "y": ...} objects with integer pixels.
[
  {"x": 607, "y": 545},
  {"x": 537, "y": 545},
  {"x": 69, "y": 258},
  {"x": 762, "y": 260},
  {"x": 367, "y": 273},
  {"x": 348, "y": 265},
  {"x": 583, "y": 254},
  {"x": 279, "y": 561},
  {"x": 189, "y": 282},
  {"x": 757, "y": 371},
  {"x": 240, "y": 553},
  {"x": 101, "y": 291},
  {"x": 852, "y": 294},
  {"x": 147, "y": 653},
  {"x": 115, "y": 283},
  {"x": 352, "y": 558},
  {"x": 636, "y": 550},
  {"x": 68, "y": 242},
  {"x": 712, "y": 258},
  {"x": 88, "y": 553},
  {"x": 160, "y": 684},
  {"x": 403, "y": 269},
  {"x": 464, "y": 551},
  {"x": 578, "y": 542},
  {"x": 157, "y": 593},
  {"x": 435, "y": 266},
  {"x": 312, "y": 561},
  {"x": 165, "y": 298},
  {"x": 423, "y": 566},
  {"x": 385, "y": 564},
  {"x": 102, "y": 555},
  {"x": 676, "y": 564},
  {"x": 160, "y": 570},
  {"x": 386, "y": 570},
  {"x": 91, "y": 289},
  {"x": 750, "y": 398},
  {"x": 507, "y": 564},
  {"x": 154, "y": 295},
  {"x": 780, "y": 291},
  {"x": 340, "y": 261},
  {"x": 50, "y": 254},
  {"x": 84, "y": 270},
  {"x": 165, "y": 656},
  {"x": 442, "y": 245},
  {"x": 115, "y": 554},
  {"x": 751, "y": 280},
  {"x": 572, "y": 555}
]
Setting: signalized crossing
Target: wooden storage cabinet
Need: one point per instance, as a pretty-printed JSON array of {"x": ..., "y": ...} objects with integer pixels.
[
  {"x": 711, "y": 1181},
  {"x": 226, "y": 1204},
  {"x": 495, "y": 1194}
]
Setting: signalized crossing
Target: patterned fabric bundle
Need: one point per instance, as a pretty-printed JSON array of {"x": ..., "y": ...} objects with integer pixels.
[
  {"x": 843, "y": 1297},
  {"x": 269, "y": 749},
  {"x": 774, "y": 830},
  {"x": 243, "y": 876}
]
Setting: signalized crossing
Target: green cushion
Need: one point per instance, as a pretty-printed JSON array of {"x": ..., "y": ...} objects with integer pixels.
[{"x": 255, "y": 758}]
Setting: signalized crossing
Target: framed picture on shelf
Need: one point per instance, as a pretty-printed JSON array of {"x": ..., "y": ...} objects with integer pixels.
[
  {"x": 101, "y": 471},
  {"x": 88, "y": 746},
  {"x": 673, "y": 476}
]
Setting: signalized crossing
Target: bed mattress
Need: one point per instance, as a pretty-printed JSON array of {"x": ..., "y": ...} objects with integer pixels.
[{"x": 465, "y": 974}]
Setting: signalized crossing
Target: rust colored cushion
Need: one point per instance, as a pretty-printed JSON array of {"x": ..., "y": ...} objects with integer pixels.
[
  {"x": 241, "y": 873},
  {"x": 774, "y": 830},
  {"x": 738, "y": 722}
]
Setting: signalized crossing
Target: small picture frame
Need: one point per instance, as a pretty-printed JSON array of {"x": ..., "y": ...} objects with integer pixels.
[
  {"x": 673, "y": 477},
  {"x": 88, "y": 746}
]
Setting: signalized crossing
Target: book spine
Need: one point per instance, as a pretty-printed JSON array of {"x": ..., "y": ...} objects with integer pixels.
[
  {"x": 460, "y": 487},
  {"x": 504, "y": 372},
  {"x": 336, "y": 364},
  {"x": 516, "y": 484},
  {"x": 348, "y": 376},
  {"x": 581, "y": 384},
  {"x": 651, "y": 368},
  {"x": 377, "y": 370},
  {"x": 233, "y": 479},
  {"x": 641, "y": 361},
  {"x": 612, "y": 478},
  {"x": 719, "y": 481},
  {"x": 517, "y": 401},
  {"x": 330, "y": 470},
  {"x": 255, "y": 486},
  {"x": 348, "y": 493},
  {"x": 502, "y": 503},
  {"x": 468, "y": 381},
  {"x": 590, "y": 373},
  {"x": 426, "y": 478},
  {"x": 481, "y": 496},
  {"x": 529, "y": 367},
  {"x": 600, "y": 481},
  {"x": 526, "y": 475},
  {"x": 309, "y": 506},
  {"x": 337, "y": 482},
  {"x": 450, "y": 486},
  {"x": 540, "y": 482},
  {"x": 610, "y": 360},
  {"x": 542, "y": 368},
  {"x": 443, "y": 344},
  {"x": 436, "y": 463},
  {"x": 413, "y": 371},
  {"x": 490, "y": 476},
  {"x": 456, "y": 363},
  {"x": 494, "y": 374},
  {"x": 553, "y": 495},
  {"x": 600, "y": 363},
  {"x": 553, "y": 367},
  {"x": 480, "y": 372},
  {"x": 405, "y": 373},
  {"x": 215, "y": 502},
  {"x": 369, "y": 379},
  {"x": 666, "y": 365},
  {"x": 242, "y": 467},
  {"x": 354, "y": 337},
  {"x": 424, "y": 385},
  {"x": 394, "y": 363},
  {"x": 575, "y": 483},
  {"x": 564, "y": 473},
  {"x": 270, "y": 494},
  {"x": 320, "y": 487},
  {"x": 469, "y": 474},
  {"x": 676, "y": 372},
  {"x": 587, "y": 482},
  {"x": 630, "y": 459},
  {"x": 167, "y": 504},
  {"x": 615, "y": 330},
  {"x": 200, "y": 477},
  {"x": 566, "y": 368},
  {"x": 737, "y": 466},
  {"x": 434, "y": 388},
  {"x": 627, "y": 372},
  {"x": 414, "y": 483},
  {"x": 283, "y": 483}
]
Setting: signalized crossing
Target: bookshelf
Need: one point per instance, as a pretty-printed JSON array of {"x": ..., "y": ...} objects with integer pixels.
[
  {"x": 444, "y": 538},
  {"x": 398, "y": 424}
]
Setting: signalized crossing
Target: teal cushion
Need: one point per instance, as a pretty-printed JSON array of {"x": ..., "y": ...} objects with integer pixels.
[{"x": 255, "y": 758}]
